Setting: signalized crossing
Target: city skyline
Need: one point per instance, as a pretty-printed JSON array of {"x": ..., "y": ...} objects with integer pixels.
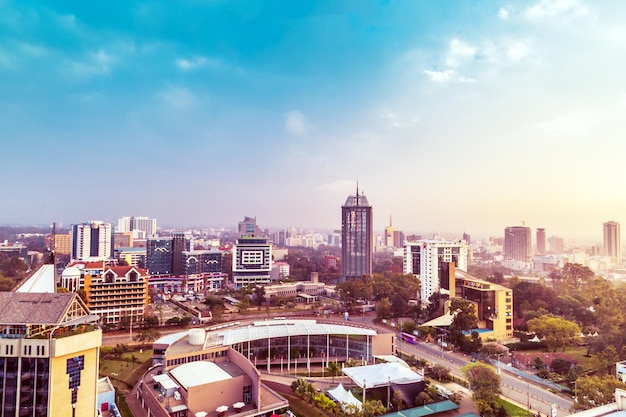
[{"x": 451, "y": 116}]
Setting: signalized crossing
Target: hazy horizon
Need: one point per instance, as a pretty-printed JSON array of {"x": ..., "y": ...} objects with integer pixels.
[{"x": 452, "y": 116}]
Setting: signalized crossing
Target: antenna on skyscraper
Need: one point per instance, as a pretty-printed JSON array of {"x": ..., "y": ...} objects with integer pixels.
[{"x": 357, "y": 192}]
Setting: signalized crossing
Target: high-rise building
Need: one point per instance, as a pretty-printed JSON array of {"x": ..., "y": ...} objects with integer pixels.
[
  {"x": 429, "y": 261},
  {"x": 159, "y": 255},
  {"x": 357, "y": 239},
  {"x": 92, "y": 241},
  {"x": 146, "y": 226},
  {"x": 398, "y": 239},
  {"x": 181, "y": 242},
  {"x": 248, "y": 227},
  {"x": 388, "y": 235},
  {"x": 556, "y": 244},
  {"x": 541, "y": 241},
  {"x": 252, "y": 261},
  {"x": 612, "y": 241},
  {"x": 49, "y": 357},
  {"x": 164, "y": 255},
  {"x": 517, "y": 244}
]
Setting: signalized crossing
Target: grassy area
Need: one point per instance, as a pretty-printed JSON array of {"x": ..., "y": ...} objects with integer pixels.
[
  {"x": 513, "y": 410},
  {"x": 301, "y": 408}
]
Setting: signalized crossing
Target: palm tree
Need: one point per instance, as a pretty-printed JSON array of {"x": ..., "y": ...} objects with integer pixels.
[{"x": 333, "y": 368}]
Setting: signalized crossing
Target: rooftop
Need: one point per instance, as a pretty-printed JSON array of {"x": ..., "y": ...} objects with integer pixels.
[{"x": 33, "y": 308}]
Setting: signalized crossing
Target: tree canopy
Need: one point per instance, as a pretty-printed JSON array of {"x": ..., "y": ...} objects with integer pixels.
[
  {"x": 557, "y": 331},
  {"x": 485, "y": 384}
]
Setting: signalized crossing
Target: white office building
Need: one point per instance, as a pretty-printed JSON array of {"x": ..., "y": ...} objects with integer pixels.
[
  {"x": 145, "y": 226},
  {"x": 429, "y": 260},
  {"x": 252, "y": 261},
  {"x": 92, "y": 241}
]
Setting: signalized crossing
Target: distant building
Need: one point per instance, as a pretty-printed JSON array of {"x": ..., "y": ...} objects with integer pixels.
[
  {"x": 49, "y": 357},
  {"x": 92, "y": 241},
  {"x": 112, "y": 291},
  {"x": 612, "y": 241},
  {"x": 63, "y": 243},
  {"x": 517, "y": 244},
  {"x": 541, "y": 241},
  {"x": 248, "y": 227},
  {"x": 556, "y": 244},
  {"x": 331, "y": 261},
  {"x": 123, "y": 240},
  {"x": 145, "y": 225},
  {"x": 467, "y": 238},
  {"x": 132, "y": 256},
  {"x": 201, "y": 261},
  {"x": 181, "y": 242},
  {"x": 388, "y": 235},
  {"x": 357, "y": 244},
  {"x": 164, "y": 255},
  {"x": 159, "y": 255},
  {"x": 280, "y": 271},
  {"x": 429, "y": 261},
  {"x": 252, "y": 261},
  {"x": 14, "y": 251}
]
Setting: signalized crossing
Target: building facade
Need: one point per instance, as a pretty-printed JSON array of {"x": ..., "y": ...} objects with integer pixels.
[
  {"x": 252, "y": 261},
  {"x": 146, "y": 226},
  {"x": 612, "y": 241},
  {"x": 112, "y": 292},
  {"x": 92, "y": 241},
  {"x": 429, "y": 261},
  {"x": 159, "y": 255},
  {"x": 201, "y": 261},
  {"x": 49, "y": 355},
  {"x": 357, "y": 238},
  {"x": 517, "y": 244},
  {"x": 541, "y": 241}
]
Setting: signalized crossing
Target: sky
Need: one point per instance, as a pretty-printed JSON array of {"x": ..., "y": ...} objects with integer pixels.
[{"x": 452, "y": 116}]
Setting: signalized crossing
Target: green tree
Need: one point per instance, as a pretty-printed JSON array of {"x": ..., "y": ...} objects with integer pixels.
[
  {"x": 557, "y": 331},
  {"x": 147, "y": 335},
  {"x": 465, "y": 319},
  {"x": 352, "y": 290},
  {"x": 485, "y": 384},
  {"x": 383, "y": 309},
  {"x": 259, "y": 295},
  {"x": 333, "y": 369},
  {"x": 397, "y": 399},
  {"x": 571, "y": 278},
  {"x": 593, "y": 391}
]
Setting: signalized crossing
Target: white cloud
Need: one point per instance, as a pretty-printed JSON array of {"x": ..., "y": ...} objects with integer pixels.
[
  {"x": 466, "y": 80},
  {"x": 97, "y": 63},
  {"x": 178, "y": 97},
  {"x": 296, "y": 123},
  {"x": 439, "y": 76},
  {"x": 458, "y": 50},
  {"x": 552, "y": 8},
  {"x": 517, "y": 49},
  {"x": 199, "y": 62},
  {"x": 503, "y": 13}
]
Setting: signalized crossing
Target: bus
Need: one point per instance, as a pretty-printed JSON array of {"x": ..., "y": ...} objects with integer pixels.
[{"x": 408, "y": 337}]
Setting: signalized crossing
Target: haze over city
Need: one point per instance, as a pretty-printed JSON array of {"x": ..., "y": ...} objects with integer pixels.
[{"x": 452, "y": 116}]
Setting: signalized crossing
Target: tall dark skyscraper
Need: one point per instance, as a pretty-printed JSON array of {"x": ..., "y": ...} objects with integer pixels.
[{"x": 357, "y": 242}]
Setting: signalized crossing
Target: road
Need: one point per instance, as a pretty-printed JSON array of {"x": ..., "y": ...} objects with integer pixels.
[{"x": 514, "y": 388}]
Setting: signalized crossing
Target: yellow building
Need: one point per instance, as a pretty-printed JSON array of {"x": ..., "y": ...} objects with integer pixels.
[
  {"x": 63, "y": 243},
  {"x": 49, "y": 354},
  {"x": 493, "y": 302}
]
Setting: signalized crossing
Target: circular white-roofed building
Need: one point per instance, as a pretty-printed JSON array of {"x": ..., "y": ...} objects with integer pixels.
[{"x": 284, "y": 343}]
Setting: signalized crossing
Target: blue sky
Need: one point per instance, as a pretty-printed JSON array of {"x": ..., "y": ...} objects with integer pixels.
[{"x": 452, "y": 115}]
